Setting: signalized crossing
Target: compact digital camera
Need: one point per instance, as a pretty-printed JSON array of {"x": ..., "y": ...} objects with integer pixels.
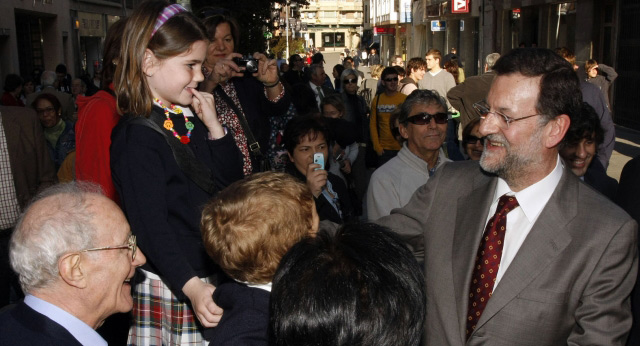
[{"x": 249, "y": 63}]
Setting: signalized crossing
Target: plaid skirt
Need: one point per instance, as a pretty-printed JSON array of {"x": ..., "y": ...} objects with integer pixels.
[{"x": 159, "y": 318}]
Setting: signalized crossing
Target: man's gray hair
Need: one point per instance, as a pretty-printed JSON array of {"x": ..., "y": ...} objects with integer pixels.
[
  {"x": 313, "y": 68},
  {"x": 422, "y": 97},
  {"x": 491, "y": 59},
  {"x": 46, "y": 232},
  {"x": 48, "y": 78}
]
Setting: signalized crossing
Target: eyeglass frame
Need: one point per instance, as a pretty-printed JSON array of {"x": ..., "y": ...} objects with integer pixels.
[
  {"x": 48, "y": 110},
  {"x": 428, "y": 117},
  {"x": 131, "y": 245},
  {"x": 507, "y": 119}
]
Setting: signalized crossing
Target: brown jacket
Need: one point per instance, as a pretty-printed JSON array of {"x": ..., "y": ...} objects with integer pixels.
[{"x": 31, "y": 164}]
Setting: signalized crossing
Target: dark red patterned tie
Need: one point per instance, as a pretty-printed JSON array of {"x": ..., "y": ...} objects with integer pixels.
[{"x": 488, "y": 261}]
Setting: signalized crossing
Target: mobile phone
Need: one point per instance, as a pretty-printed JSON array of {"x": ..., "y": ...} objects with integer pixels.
[
  {"x": 340, "y": 156},
  {"x": 318, "y": 158}
]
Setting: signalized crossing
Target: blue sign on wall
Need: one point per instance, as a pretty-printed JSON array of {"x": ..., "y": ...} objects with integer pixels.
[{"x": 438, "y": 25}]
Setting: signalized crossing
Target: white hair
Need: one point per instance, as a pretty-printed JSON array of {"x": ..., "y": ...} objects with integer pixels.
[
  {"x": 49, "y": 229},
  {"x": 347, "y": 72},
  {"x": 48, "y": 78},
  {"x": 491, "y": 59}
]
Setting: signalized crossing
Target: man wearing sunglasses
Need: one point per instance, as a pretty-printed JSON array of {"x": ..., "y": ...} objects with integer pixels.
[
  {"x": 295, "y": 74},
  {"x": 383, "y": 104},
  {"x": 517, "y": 250},
  {"x": 75, "y": 256},
  {"x": 423, "y": 125}
]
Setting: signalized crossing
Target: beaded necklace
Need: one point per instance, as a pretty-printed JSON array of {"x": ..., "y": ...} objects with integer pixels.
[{"x": 168, "y": 124}]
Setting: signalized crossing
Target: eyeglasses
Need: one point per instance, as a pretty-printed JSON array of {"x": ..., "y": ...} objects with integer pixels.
[
  {"x": 331, "y": 114},
  {"x": 473, "y": 140},
  {"x": 48, "y": 110},
  {"x": 391, "y": 79},
  {"x": 131, "y": 245},
  {"x": 349, "y": 81},
  {"x": 484, "y": 109},
  {"x": 425, "y": 118}
]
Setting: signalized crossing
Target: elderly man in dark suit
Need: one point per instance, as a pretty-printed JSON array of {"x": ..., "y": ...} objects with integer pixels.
[
  {"x": 25, "y": 168},
  {"x": 75, "y": 256},
  {"x": 518, "y": 251}
]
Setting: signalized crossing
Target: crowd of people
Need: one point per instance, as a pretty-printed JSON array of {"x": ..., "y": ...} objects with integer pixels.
[{"x": 253, "y": 202}]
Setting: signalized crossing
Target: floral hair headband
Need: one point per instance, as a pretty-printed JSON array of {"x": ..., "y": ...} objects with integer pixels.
[{"x": 167, "y": 13}]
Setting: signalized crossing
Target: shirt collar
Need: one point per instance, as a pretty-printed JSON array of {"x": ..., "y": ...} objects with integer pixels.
[
  {"x": 80, "y": 330},
  {"x": 266, "y": 287},
  {"x": 533, "y": 199}
]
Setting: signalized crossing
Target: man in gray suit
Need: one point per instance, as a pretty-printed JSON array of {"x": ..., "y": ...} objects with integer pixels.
[{"x": 557, "y": 261}]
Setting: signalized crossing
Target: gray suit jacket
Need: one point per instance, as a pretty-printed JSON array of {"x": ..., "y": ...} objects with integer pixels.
[{"x": 569, "y": 283}]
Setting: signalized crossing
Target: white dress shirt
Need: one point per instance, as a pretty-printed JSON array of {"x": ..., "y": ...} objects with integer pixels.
[
  {"x": 520, "y": 220},
  {"x": 317, "y": 93}
]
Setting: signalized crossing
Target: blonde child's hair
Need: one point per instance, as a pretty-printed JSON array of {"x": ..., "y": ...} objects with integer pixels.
[{"x": 251, "y": 224}]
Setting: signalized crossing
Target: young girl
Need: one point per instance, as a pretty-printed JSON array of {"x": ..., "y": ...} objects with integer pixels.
[{"x": 155, "y": 81}]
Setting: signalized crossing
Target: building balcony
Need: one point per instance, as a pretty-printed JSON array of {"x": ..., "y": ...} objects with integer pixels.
[{"x": 333, "y": 5}]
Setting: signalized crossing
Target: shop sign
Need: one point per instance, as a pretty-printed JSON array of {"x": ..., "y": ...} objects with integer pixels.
[
  {"x": 460, "y": 6},
  {"x": 91, "y": 24},
  {"x": 438, "y": 25},
  {"x": 384, "y": 31}
]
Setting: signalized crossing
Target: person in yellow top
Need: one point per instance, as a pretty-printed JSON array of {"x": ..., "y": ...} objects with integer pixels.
[{"x": 382, "y": 106}]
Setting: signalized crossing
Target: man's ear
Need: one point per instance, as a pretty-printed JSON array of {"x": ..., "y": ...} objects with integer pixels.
[
  {"x": 72, "y": 270},
  {"x": 150, "y": 63},
  {"x": 404, "y": 132},
  {"x": 556, "y": 129}
]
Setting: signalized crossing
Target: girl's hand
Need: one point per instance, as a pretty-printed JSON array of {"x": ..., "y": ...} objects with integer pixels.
[
  {"x": 267, "y": 69},
  {"x": 204, "y": 106},
  {"x": 200, "y": 295}
]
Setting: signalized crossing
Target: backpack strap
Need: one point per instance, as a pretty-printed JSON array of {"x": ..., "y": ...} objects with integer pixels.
[{"x": 193, "y": 168}]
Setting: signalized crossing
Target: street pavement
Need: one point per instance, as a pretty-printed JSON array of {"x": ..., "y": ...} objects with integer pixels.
[
  {"x": 627, "y": 140},
  {"x": 627, "y": 147}
]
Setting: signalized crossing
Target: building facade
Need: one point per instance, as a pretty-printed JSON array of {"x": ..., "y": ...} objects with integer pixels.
[
  {"x": 39, "y": 35},
  {"x": 332, "y": 25}
]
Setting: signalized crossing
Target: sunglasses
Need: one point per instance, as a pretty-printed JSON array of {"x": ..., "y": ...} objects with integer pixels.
[
  {"x": 391, "y": 79},
  {"x": 473, "y": 140},
  {"x": 349, "y": 81},
  {"x": 425, "y": 118}
]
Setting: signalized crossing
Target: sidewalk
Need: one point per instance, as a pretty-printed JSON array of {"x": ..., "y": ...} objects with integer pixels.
[{"x": 627, "y": 147}]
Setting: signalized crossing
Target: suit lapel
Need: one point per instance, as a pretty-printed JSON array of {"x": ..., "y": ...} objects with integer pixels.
[
  {"x": 544, "y": 242},
  {"x": 472, "y": 211}
]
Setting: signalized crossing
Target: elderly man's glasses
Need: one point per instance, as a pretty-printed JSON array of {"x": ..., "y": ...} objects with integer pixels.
[
  {"x": 131, "y": 245},
  {"x": 425, "y": 118},
  {"x": 349, "y": 81},
  {"x": 485, "y": 110}
]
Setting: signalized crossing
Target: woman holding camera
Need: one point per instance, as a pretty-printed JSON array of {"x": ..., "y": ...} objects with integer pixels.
[{"x": 244, "y": 101}]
